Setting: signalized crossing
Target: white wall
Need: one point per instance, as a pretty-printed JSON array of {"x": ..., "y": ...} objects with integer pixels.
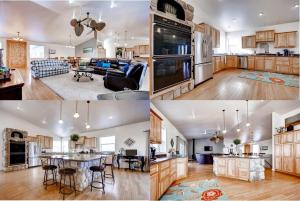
[
  {"x": 171, "y": 130},
  {"x": 234, "y": 39},
  {"x": 92, "y": 43},
  {"x": 61, "y": 50},
  {"x": 199, "y": 147},
  {"x": 9, "y": 121}
]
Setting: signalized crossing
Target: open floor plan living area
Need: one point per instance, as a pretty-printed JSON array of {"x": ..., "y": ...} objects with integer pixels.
[
  {"x": 74, "y": 50},
  {"x": 224, "y": 50},
  {"x": 74, "y": 150},
  {"x": 225, "y": 150}
]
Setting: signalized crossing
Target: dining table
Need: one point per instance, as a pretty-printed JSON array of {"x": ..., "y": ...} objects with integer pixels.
[{"x": 80, "y": 162}]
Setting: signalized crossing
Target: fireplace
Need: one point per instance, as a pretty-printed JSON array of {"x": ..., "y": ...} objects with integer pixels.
[{"x": 15, "y": 150}]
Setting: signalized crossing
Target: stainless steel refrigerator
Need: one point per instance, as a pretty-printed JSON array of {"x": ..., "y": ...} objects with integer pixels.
[
  {"x": 34, "y": 151},
  {"x": 203, "y": 58}
]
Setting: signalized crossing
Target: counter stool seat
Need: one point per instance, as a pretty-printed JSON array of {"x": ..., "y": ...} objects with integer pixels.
[
  {"x": 51, "y": 168},
  {"x": 97, "y": 168},
  {"x": 65, "y": 189},
  {"x": 100, "y": 169}
]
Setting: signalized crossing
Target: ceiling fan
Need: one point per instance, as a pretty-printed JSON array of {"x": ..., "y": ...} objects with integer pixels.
[{"x": 88, "y": 22}]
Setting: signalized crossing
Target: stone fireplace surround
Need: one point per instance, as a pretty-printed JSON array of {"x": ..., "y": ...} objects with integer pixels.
[{"x": 8, "y": 135}]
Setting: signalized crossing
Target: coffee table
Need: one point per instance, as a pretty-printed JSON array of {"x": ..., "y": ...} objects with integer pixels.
[
  {"x": 83, "y": 72},
  {"x": 12, "y": 89}
]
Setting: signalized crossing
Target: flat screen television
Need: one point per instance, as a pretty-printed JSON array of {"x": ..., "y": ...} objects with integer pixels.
[
  {"x": 131, "y": 152},
  {"x": 208, "y": 148}
]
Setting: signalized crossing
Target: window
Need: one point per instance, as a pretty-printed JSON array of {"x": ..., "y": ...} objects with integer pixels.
[
  {"x": 37, "y": 52},
  {"x": 107, "y": 143},
  {"x": 255, "y": 149},
  {"x": 0, "y": 45},
  {"x": 162, "y": 148},
  {"x": 57, "y": 145},
  {"x": 65, "y": 145}
]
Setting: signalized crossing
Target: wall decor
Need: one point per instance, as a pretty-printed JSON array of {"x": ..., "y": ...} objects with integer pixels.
[
  {"x": 51, "y": 51},
  {"x": 129, "y": 142},
  {"x": 87, "y": 50},
  {"x": 264, "y": 148}
]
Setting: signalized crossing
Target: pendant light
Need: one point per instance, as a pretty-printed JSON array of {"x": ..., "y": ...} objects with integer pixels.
[
  {"x": 18, "y": 38},
  {"x": 60, "y": 114},
  {"x": 248, "y": 123},
  {"x": 224, "y": 127},
  {"x": 76, "y": 115},
  {"x": 237, "y": 118},
  {"x": 87, "y": 125}
]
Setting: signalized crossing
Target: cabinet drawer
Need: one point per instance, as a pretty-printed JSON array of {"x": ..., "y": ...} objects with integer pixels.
[
  {"x": 243, "y": 163},
  {"x": 243, "y": 174},
  {"x": 164, "y": 165},
  {"x": 153, "y": 169},
  {"x": 164, "y": 173},
  {"x": 221, "y": 162},
  {"x": 283, "y": 61}
]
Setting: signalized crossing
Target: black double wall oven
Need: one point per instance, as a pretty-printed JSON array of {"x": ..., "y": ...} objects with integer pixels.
[{"x": 171, "y": 53}]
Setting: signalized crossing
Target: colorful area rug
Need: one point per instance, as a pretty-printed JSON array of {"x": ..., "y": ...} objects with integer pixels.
[
  {"x": 196, "y": 190},
  {"x": 275, "y": 78}
]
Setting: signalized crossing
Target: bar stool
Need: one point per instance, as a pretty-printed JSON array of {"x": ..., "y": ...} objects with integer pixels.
[
  {"x": 109, "y": 162},
  {"x": 47, "y": 166},
  {"x": 64, "y": 173},
  {"x": 99, "y": 169}
]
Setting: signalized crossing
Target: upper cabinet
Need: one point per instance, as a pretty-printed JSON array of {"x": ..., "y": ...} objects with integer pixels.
[
  {"x": 155, "y": 128},
  {"x": 286, "y": 40},
  {"x": 45, "y": 141},
  {"x": 249, "y": 42},
  {"x": 211, "y": 31},
  {"x": 265, "y": 36}
]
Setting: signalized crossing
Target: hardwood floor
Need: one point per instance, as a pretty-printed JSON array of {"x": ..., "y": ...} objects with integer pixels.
[
  {"x": 34, "y": 89},
  {"x": 27, "y": 185},
  {"x": 276, "y": 186},
  {"x": 226, "y": 85}
]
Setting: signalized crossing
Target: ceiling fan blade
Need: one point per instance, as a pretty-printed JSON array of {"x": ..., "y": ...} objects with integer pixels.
[
  {"x": 73, "y": 22},
  {"x": 79, "y": 29},
  {"x": 93, "y": 24},
  {"x": 100, "y": 26}
]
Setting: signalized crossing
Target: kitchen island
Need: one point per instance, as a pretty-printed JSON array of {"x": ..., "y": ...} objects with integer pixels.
[
  {"x": 80, "y": 162},
  {"x": 239, "y": 167}
]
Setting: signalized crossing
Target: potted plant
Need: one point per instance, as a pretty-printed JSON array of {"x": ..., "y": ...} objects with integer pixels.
[
  {"x": 75, "y": 137},
  {"x": 237, "y": 142}
]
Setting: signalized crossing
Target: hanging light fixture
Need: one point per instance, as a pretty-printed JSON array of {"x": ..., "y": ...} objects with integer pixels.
[
  {"x": 76, "y": 115},
  {"x": 237, "y": 117},
  {"x": 248, "y": 123},
  {"x": 18, "y": 38},
  {"x": 224, "y": 127},
  {"x": 87, "y": 124},
  {"x": 60, "y": 114}
]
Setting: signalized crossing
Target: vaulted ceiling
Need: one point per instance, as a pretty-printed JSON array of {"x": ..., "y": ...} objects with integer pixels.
[
  {"x": 237, "y": 15},
  {"x": 201, "y": 119},
  {"x": 103, "y": 114},
  {"x": 49, "y": 21}
]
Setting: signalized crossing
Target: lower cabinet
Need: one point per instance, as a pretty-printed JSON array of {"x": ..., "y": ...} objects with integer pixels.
[
  {"x": 182, "y": 167},
  {"x": 260, "y": 63},
  {"x": 231, "y": 167},
  {"x": 154, "y": 182}
]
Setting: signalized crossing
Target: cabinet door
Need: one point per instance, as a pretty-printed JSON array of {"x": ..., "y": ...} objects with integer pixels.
[
  {"x": 152, "y": 128},
  {"x": 261, "y": 36},
  {"x": 244, "y": 42},
  {"x": 231, "y": 167},
  {"x": 270, "y": 64},
  {"x": 154, "y": 187},
  {"x": 280, "y": 40},
  {"x": 270, "y": 35},
  {"x": 260, "y": 63},
  {"x": 297, "y": 136},
  {"x": 288, "y": 137},
  {"x": 295, "y": 66},
  {"x": 291, "y": 39},
  {"x": 278, "y": 156},
  {"x": 181, "y": 168},
  {"x": 288, "y": 158},
  {"x": 158, "y": 129},
  {"x": 251, "y": 63},
  {"x": 297, "y": 158}
]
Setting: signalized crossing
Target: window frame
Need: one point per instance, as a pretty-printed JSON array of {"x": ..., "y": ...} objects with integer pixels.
[{"x": 114, "y": 143}]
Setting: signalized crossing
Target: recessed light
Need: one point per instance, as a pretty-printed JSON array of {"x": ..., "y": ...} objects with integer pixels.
[
  {"x": 87, "y": 126},
  {"x": 44, "y": 122},
  {"x": 60, "y": 121},
  {"x": 296, "y": 6},
  {"x": 261, "y": 14},
  {"x": 110, "y": 117}
]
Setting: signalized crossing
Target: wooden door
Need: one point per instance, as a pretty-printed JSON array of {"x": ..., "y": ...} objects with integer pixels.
[
  {"x": 16, "y": 54},
  {"x": 288, "y": 158},
  {"x": 278, "y": 156},
  {"x": 154, "y": 186},
  {"x": 291, "y": 39}
]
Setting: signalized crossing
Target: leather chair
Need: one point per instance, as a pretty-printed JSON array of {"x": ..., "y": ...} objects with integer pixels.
[{"x": 117, "y": 80}]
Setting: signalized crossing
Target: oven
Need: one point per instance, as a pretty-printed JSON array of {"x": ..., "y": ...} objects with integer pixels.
[
  {"x": 171, "y": 38},
  {"x": 170, "y": 71}
]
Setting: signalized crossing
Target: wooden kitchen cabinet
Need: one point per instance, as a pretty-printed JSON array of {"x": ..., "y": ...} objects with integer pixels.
[
  {"x": 80, "y": 140},
  {"x": 164, "y": 177},
  {"x": 278, "y": 157},
  {"x": 265, "y": 36},
  {"x": 277, "y": 139},
  {"x": 282, "y": 65},
  {"x": 231, "y": 167},
  {"x": 286, "y": 40},
  {"x": 173, "y": 170},
  {"x": 182, "y": 167},
  {"x": 218, "y": 63},
  {"x": 270, "y": 64},
  {"x": 297, "y": 158},
  {"x": 45, "y": 142},
  {"x": 32, "y": 139},
  {"x": 288, "y": 137},
  {"x": 260, "y": 63},
  {"x": 242, "y": 167},
  {"x": 251, "y": 62},
  {"x": 288, "y": 158},
  {"x": 295, "y": 68},
  {"x": 231, "y": 61},
  {"x": 249, "y": 42},
  {"x": 90, "y": 142},
  {"x": 155, "y": 128},
  {"x": 154, "y": 195},
  {"x": 297, "y": 136}
]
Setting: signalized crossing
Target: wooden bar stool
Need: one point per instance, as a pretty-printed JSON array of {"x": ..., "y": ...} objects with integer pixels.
[
  {"x": 64, "y": 173},
  {"x": 100, "y": 168},
  {"x": 109, "y": 162},
  {"x": 47, "y": 166}
]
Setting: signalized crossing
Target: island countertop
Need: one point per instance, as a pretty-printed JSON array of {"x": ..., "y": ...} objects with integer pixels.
[
  {"x": 245, "y": 157},
  {"x": 73, "y": 157},
  {"x": 163, "y": 159}
]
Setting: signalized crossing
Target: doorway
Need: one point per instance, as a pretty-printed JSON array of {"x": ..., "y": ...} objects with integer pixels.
[{"x": 16, "y": 54}]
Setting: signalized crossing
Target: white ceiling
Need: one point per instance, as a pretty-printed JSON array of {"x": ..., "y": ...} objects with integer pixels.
[
  {"x": 194, "y": 118},
  {"x": 49, "y": 21},
  {"x": 221, "y": 13},
  {"x": 103, "y": 114}
]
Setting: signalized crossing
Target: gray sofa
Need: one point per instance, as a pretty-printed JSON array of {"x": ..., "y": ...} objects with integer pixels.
[{"x": 48, "y": 67}]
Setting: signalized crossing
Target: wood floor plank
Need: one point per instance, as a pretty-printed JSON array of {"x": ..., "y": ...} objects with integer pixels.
[
  {"x": 27, "y": 185},
  {"x": 227, "y": 85}
]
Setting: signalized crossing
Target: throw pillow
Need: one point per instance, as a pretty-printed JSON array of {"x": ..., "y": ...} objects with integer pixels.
[
  {"x": 99, "y": 64},
  {"x": 106, "y": 65}
]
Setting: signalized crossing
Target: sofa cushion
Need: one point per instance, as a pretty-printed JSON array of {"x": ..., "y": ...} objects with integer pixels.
[
  {"x": 99, "y": 63},
  {"x": 106, "y": 65}
]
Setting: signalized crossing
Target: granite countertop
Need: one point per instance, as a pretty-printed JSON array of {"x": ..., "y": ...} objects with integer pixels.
[
  {"x": 245, "y": 157},
  {"x": 256, "y": 55},
  {"x": 73, "y": 157},
  {"x": 163, "y": 159}
]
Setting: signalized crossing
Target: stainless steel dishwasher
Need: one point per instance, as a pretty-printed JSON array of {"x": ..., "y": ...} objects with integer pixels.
[{"x": 243, "y": 62}]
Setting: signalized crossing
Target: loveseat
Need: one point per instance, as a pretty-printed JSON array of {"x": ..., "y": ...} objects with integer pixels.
[{"x": 48, "y": 67}]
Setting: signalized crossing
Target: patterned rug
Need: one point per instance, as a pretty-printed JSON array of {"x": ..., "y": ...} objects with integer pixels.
[
  {"x": 275, "y": 78},
  {"x": 196, "y": 190}
]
